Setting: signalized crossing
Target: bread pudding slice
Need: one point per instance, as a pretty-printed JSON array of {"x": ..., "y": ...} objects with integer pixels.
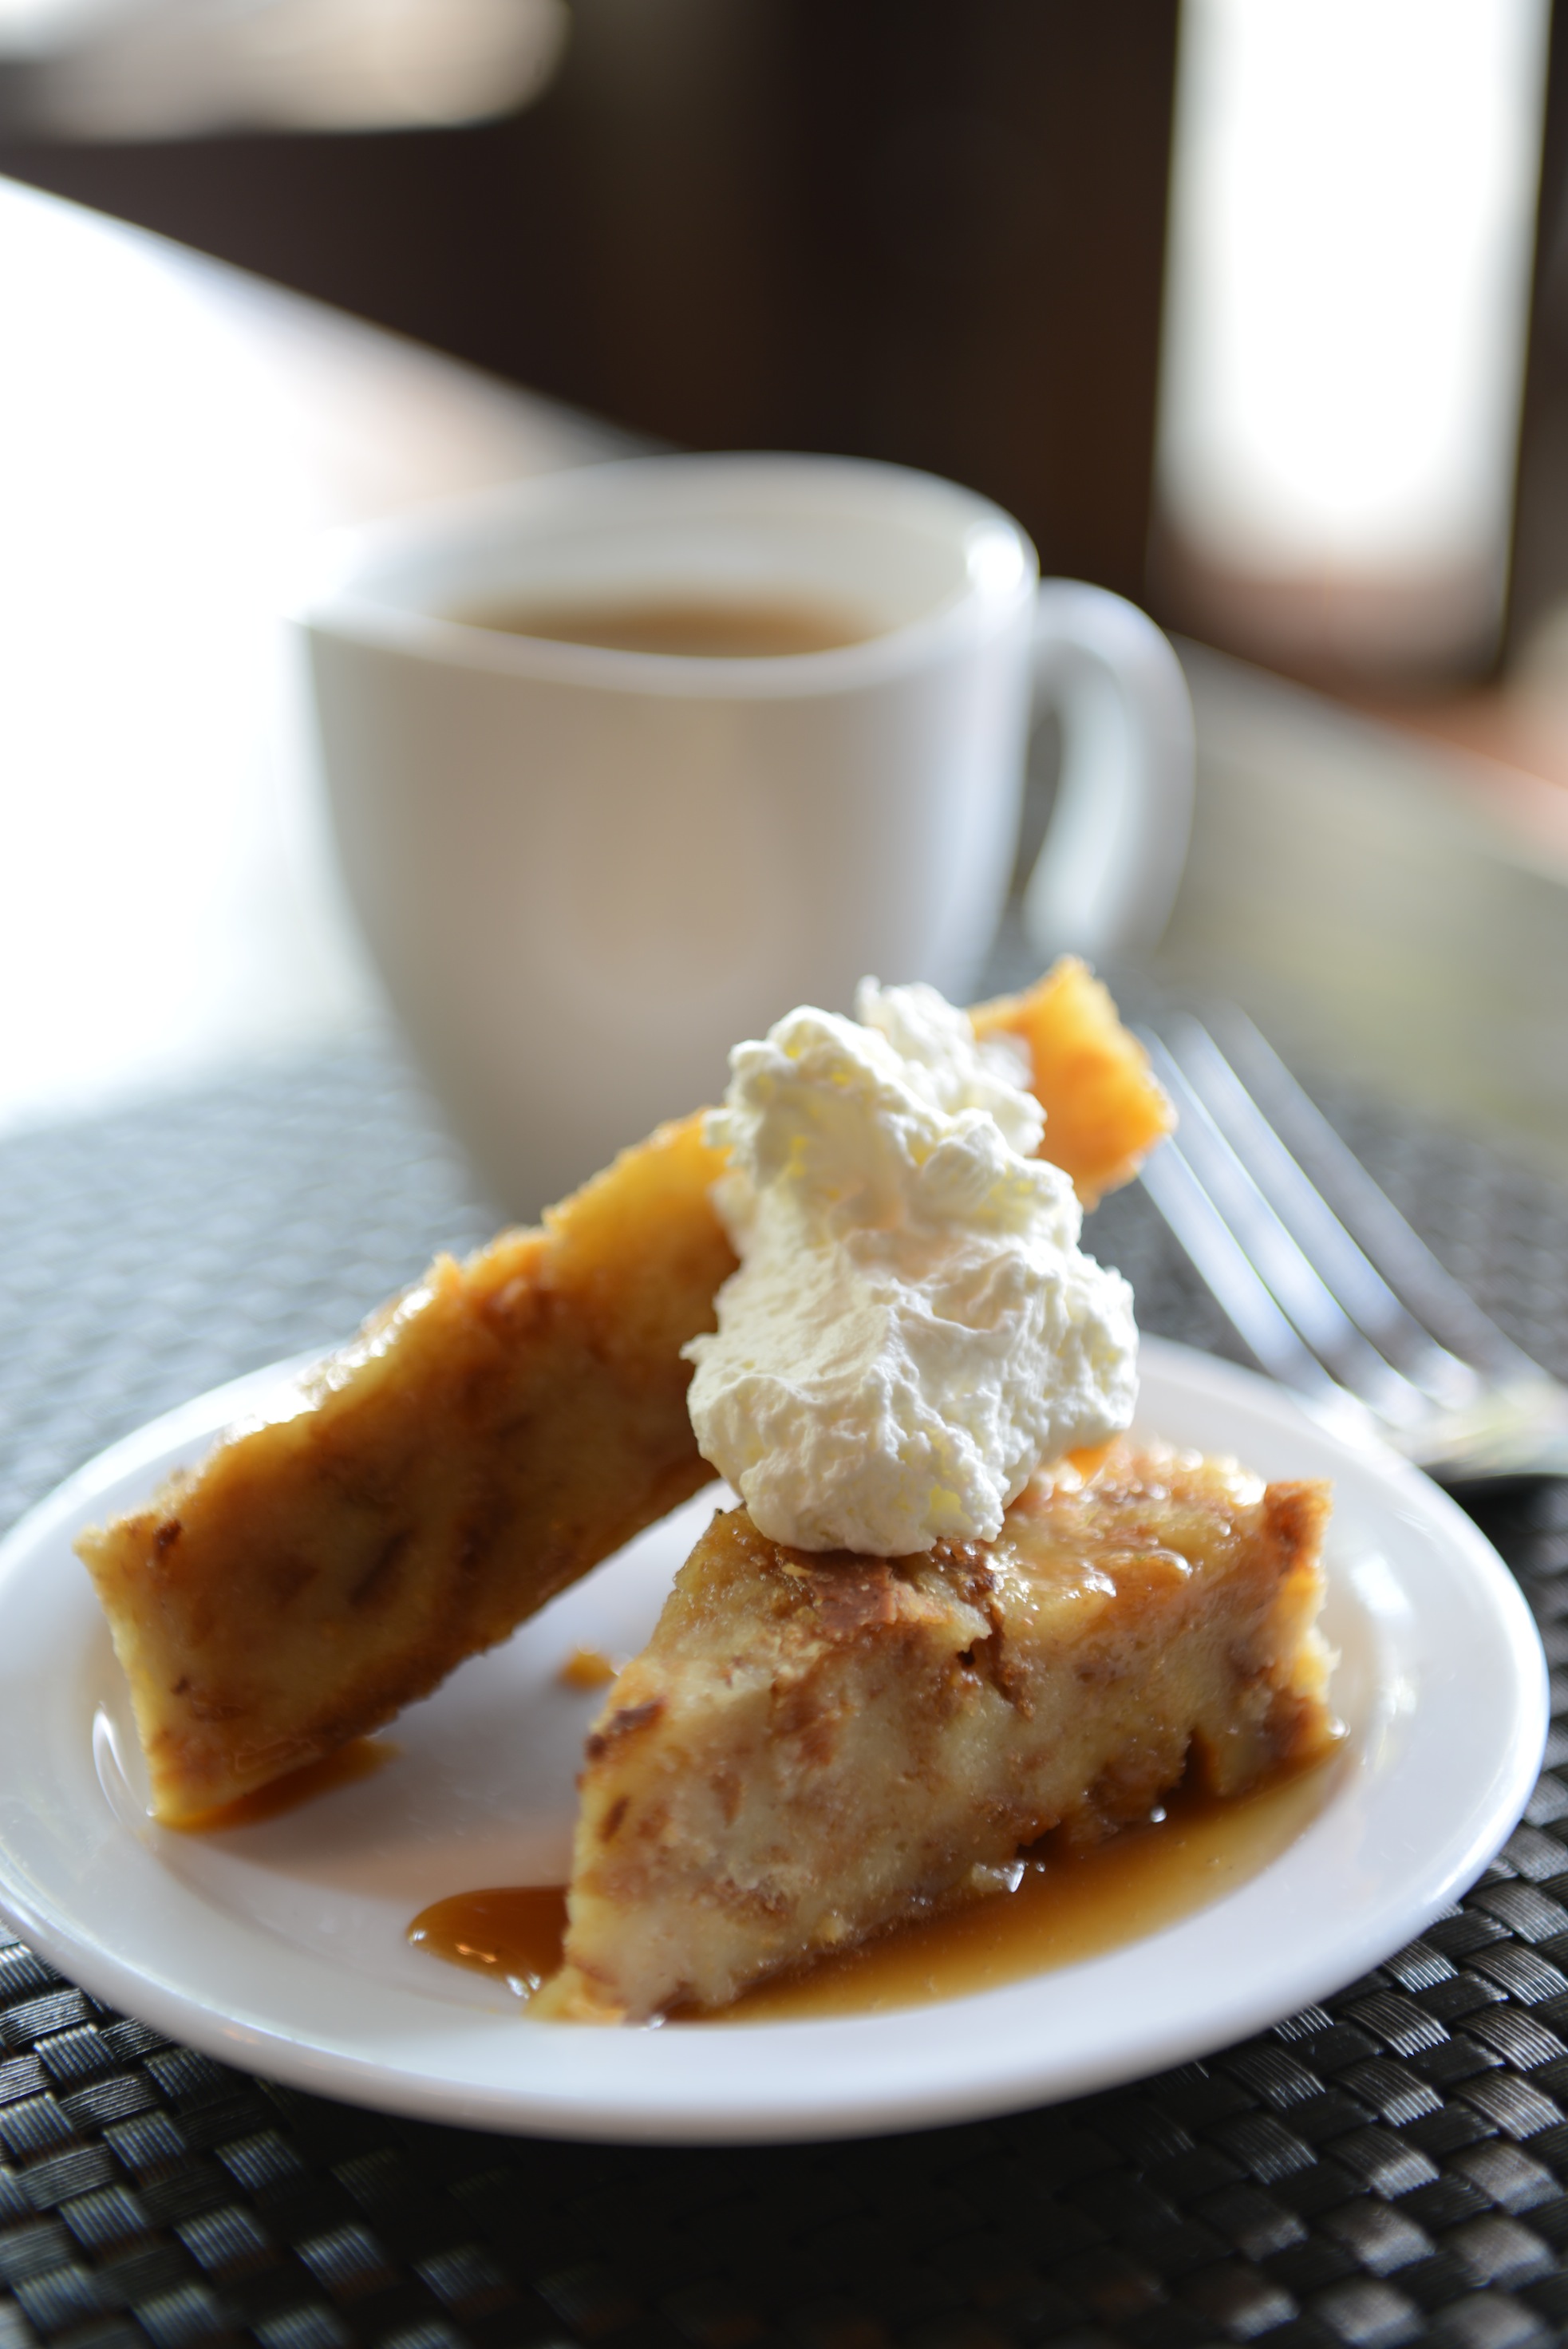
[
  {"x": 487, "y": 1438},
  {"x": 815, "y": 1747}
]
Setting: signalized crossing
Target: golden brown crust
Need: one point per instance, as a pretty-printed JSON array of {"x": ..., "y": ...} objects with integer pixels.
[
  {"x": 1104, "y": 1109},
  {"x": 813, "y": 1747},
  {"x": 487, "y": 1439}
]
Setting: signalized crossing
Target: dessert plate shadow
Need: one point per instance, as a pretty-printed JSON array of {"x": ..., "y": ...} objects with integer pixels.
[{"x": 278, "y": 1947}]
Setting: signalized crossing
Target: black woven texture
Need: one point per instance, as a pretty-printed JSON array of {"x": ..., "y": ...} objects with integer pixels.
[{"x": 1388, "y": 2168}]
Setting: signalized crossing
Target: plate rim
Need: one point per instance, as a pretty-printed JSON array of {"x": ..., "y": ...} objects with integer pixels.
[{"x": 1302, "y": 1977}]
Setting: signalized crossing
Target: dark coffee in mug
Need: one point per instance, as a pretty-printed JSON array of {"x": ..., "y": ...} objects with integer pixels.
[{"x": 690, "y": 627}]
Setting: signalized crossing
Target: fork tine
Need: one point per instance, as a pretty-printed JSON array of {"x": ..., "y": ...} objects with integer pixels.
[
  {"x": 1339, "y": 1309},
  {"x": 1224, "y": 1266},
  {"x": 1405, "y": 1261},
  {"x": 1344, "y": 1267},
  {"x": 1287, "y": 1272}
]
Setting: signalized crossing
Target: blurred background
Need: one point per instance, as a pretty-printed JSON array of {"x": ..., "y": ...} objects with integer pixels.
[{"x": 1256, "y": 313}]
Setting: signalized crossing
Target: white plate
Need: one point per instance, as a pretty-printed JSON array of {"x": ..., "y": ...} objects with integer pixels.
[{"x": 279, "y": 1946}]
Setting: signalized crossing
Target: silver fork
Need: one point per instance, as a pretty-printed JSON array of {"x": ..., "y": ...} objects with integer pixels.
[{"x": 1323, "y": 1279}]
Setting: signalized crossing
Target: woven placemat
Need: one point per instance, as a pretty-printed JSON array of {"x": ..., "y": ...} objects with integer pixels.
[{"x": 1388, "y": 2168}]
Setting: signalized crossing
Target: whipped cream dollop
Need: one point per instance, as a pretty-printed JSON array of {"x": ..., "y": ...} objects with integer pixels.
[{"x": 913, "y": 1329}]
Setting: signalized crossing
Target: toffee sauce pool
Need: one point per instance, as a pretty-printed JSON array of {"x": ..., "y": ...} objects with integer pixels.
[
  {"x": 1068, "y": 1906},
  {"x": 361, "y": 1758}
]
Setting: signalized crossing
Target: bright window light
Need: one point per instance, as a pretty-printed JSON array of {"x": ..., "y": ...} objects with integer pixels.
[
  {"x": 182, "y": 68},
  {"x": 1353, "y": 209}
]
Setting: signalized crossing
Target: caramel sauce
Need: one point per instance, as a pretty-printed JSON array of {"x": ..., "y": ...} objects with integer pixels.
[
  {"x": 361, "y": 1758},
  {"x": 1069, "y": 1905},
  {"x": 513, "y": 1934},
  {"x": 1089, "y": 1458},
  {"x": 586, "y": 1668}
]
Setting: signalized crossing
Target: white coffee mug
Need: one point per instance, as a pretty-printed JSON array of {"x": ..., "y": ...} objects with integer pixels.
[{"x": 587, "y": 871}]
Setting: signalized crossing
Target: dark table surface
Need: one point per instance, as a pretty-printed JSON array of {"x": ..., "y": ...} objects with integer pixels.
[{"x": 1391, "y": 2167}]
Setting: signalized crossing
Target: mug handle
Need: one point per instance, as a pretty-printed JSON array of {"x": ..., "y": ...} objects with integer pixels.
[{"x": 1106, "y": 876}]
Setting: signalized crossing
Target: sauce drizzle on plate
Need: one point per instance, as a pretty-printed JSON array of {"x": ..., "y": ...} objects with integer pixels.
[
  {"x": 513, "y": 1933},
  {"x": 1068, "y": 1905},
  {"x": 361, "y": 1758}
]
